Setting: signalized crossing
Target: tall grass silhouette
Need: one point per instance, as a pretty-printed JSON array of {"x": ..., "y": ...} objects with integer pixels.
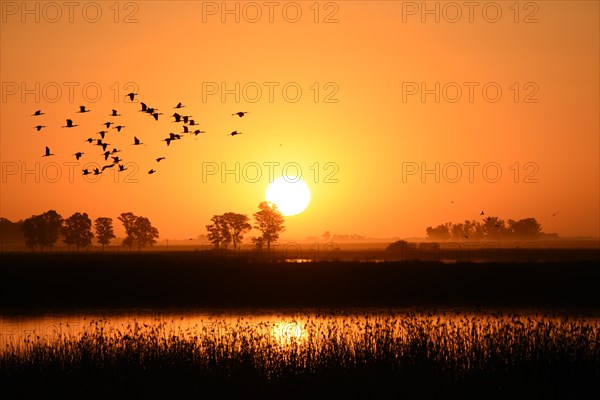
[{"x": 411, "y": 352}]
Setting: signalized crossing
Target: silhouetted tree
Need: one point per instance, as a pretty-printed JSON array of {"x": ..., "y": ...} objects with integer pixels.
[
  {"x": 52, "y": 222},
  {"x": 104, "y": 230},
  {"x": 218, "y": 234},
  {"x": 475, "y": 230},
  {"x": 492, "y": 228},
  {"x": 129, "y": 242},
  {"x": 527, "y": 228},
  {"x": 259, "y": 242},
  {"x": 30, "y": 231},
  {"x": 457, "y": 232},
  {"x": 139, "y": 231},
  {"x": 11, "y": 232},
  {"x": 78, "y": 230},
  {"x": 238, "y": 225},
  {"x": 441, "y": 232},
  {"x": 144, "y": 233},
  {"x": 326, "y": 236},
  {"x": 128, "y": 219},
  {"x": 228, "y": 228},
  {"x": 270, "y": 222},
  {"x": 468, "y": 228},
  {"x": 43, "y": 229}
]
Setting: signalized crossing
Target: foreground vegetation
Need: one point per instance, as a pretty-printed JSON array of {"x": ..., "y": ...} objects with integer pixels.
[{"x": 428, "y": 355}]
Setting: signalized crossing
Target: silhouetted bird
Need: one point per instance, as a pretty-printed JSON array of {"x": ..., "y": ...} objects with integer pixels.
[
  {"x": 168, "y": 140},
  {"x": 108, "y": 124},
  {"x": 119, "y": 127},
  {"x": 89, "y": 140},
  {"x": 78, "y": 155},
  {"x": 85, "y": 171},
  {"x": 151, "y": 171},
  {"x": 185, "y": 129},
  {"x": 177, "y": 117},
  {"x": 179, "y": 105},
  {"x": 122, "y": 168},
  {"x": 70, "y": 124},
  {"x": 159, "y": 159},
  {"x": 136, "y": 141},
  {"x": 131, "y": 95},
  {"x": 97, "y": 171},
  {"x": 240, "y": 113},
  {"x": 39, "y": 127},
  {"x": 144, "y": 107},
  {"x": 47, "y": 152},
  {"x": 114, "y": 150},
  {"x": 38, "y": 112},
  {"x": 155, "y": 115},
  {"x": 554, "y": 215},
  {"x": 102, "y": 133},
  {"x": 481, "y": 213},
  {"x": 192, "y": 122},
  {"x": 116, "y": 159},
  {"x": 106, "y": 154},
  {"x": 99, "y": 142},
  {"x": 466, "y": 237},
  {"x": 115, "y": 114},
  {"x": 235, "y": 133},
  {"x": 197, "y": 131},
  {"x": 82, "y": 110},
  {"x": 185, "y": 118}
]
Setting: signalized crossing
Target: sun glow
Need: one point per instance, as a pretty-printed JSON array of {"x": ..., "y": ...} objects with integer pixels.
[{"x": 290, "y": 194}]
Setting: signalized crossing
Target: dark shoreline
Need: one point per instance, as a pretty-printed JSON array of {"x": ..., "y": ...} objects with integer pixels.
[{"x": 39, "y": 283}]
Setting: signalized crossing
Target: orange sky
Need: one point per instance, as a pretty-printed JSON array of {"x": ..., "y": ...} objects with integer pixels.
[{"x": 367, "y": 123}]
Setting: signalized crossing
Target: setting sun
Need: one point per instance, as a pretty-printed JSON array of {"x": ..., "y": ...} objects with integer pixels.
[{"x": 290, "y": 194}]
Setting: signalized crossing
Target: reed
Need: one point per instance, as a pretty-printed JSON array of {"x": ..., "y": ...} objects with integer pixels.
[{"x": 424, "y": 354}]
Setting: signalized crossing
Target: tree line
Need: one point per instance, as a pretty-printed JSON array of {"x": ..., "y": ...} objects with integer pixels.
[
  {"x": 230, "y": 228},
  {"x": 43, "y": 231},
  {"x": 491, "y": 228}
]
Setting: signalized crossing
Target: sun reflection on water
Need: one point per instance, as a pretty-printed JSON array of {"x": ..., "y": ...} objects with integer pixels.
[{"x": 286, "y": 332}]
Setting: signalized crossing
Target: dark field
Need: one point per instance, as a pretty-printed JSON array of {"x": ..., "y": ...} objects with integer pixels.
[{"x": 46, "y": 282}]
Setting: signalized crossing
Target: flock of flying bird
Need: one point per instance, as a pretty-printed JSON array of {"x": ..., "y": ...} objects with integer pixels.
[{"x": 189, "y": 126}]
